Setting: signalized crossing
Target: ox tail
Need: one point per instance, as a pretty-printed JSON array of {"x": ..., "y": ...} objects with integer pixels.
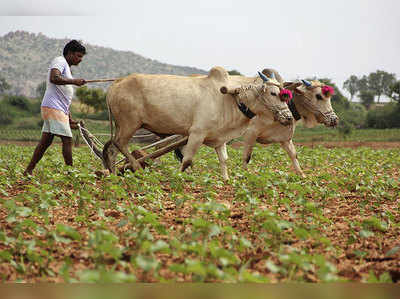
[
  {"x": 106, "y": 155},
  {"x": 110, "y": 118},
  {"x": 178, "y": 154}
]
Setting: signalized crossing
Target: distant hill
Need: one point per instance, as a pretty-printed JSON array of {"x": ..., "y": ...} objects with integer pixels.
[{"x": 24, "y": 59}]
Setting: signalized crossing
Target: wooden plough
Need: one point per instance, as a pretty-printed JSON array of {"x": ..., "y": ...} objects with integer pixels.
[{"x": 162, "y": 146}]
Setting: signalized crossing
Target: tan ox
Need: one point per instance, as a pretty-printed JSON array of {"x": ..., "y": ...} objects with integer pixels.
[
  {"x": 308, "y": 103},
  {"x": 190, "y": 106}
]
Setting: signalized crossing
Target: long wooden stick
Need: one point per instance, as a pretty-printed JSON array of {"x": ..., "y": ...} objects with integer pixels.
[
  {"x": 100, "y": 80},
  {"x": 165, "y": 149},
  {"x": 161, "y": 151}
]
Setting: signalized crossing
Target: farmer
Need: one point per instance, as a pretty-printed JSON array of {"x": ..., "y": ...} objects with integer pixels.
[{"x": 55, "y": 104}]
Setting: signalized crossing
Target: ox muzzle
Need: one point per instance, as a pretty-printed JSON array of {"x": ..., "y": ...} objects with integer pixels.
[
  {"x": 329, "y": 119},
  {"x": 284, "y": 116}
]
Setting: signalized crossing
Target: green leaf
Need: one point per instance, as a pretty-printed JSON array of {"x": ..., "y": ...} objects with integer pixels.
[
  {"x": 161, "y": 246},
  {"x": 179, "y": 268},
  {"x": 196, "y": 267},
  {"x": 68, "y": 231},
  {"x": 5, "y": 255},
  {"x": 366, "y": 233},
  {"x": 272, "y": 267},
  {"x": 385, "y": 278},
  {"x": 246, "y": 276},
  {"x": 146, "y": 263},
  {"x": 393, "y": 251}
]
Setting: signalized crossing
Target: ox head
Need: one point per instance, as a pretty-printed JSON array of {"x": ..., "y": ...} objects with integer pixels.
[
  {"x": 264, "y": 98},
  {"x": 313, "y": 102}
]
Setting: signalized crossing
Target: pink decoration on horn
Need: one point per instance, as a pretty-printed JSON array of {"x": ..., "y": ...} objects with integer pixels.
[
  {"x": 328, "y": 90},
  {"x": 285, "y": 95}
]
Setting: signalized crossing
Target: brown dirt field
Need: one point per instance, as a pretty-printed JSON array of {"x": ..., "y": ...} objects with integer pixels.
[
  {"x": 327, "y": 144},
  {"x": 342, "y": 212}
]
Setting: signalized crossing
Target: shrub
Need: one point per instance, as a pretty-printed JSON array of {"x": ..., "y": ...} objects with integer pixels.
[
  {"x": 384, "y": 117},
  {"x": 355, "y": 114},
  {"x": 345, "y": 129},
  {"x": 34, "y": 106},
  {"x": 20, "y": 102},
  {"x": 6, "y": 116}
]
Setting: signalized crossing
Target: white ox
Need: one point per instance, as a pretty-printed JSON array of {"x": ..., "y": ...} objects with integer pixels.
[
  {"x": 311, "y": 102},
  {"x": 190, "y": 106}
]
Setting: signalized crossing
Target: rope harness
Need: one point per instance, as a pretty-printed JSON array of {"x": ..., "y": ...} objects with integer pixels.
[
  {"x": 258, "y": 89},
  {"x": 314, "y": 109}
]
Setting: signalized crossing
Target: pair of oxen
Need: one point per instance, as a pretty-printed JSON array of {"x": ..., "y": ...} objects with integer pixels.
[{"x": 213, "y": 110}]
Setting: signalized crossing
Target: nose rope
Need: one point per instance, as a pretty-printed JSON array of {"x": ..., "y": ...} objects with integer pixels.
[
  {"x": 258, "y": 89},
  {"x": 315, "y": 109}
]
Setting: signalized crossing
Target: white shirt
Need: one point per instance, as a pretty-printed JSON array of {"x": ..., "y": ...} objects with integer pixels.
[{"x": 58, "y": 96}]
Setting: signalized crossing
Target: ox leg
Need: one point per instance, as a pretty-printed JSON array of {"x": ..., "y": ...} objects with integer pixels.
[
  {"x": 121, "y": 141},
  {"x": 288, "y": 146},
  {"x": 249, "y": 142},
  {"x": 223, "y": 157},
  {"x": 193, "y": 144}
]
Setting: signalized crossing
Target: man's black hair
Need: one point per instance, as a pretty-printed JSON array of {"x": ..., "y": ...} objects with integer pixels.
[{"x": 74, "y": 46}]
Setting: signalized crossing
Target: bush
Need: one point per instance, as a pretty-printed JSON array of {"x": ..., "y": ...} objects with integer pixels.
[
  {"x": 355, "y": 114},
  {"x": 20, "y": 102},
  {"x": 384, "y": 117},
  {"x": 34, "y": 106},
  {"x": 6, "y": 117},
  {"x": 345, "y": 129}
]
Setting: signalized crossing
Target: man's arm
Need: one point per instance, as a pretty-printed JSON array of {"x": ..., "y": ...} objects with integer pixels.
[{"x": 58, "y": 79}]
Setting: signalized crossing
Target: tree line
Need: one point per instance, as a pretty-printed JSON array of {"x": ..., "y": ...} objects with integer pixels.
[{"x": 371, "y": 88}]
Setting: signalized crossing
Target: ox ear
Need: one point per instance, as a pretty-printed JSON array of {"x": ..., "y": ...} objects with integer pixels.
[
  {"x": 306, "y": 83},
  {"x": 297, "y": 90},
  {"x": 263, "y": 77},
  {"x": 291, "y": 85}
]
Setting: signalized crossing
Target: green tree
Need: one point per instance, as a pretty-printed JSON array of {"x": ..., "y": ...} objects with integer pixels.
[
  {"x": 362, "y": 84},
  {"x": 367, "y": 98},
  {"x": 351, "y": 85},
  {"x": 234, "y": 73},
  {"x": 3, "y": 85},
  {"x": 92, "y": 97},
  {"x": 379, "y": 83},
  {"x": 41, "y": 89},
  {"x": 6, "y": 116},
  {"x": 395, "y": 91}
]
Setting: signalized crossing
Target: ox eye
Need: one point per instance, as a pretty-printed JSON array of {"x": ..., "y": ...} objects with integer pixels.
[
  {"x": 273, "y": 93},
  {"x": 319, "y": 97}
]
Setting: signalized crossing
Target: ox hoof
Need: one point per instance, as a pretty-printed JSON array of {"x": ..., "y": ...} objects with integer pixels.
[{"x": 185, "y": 165}]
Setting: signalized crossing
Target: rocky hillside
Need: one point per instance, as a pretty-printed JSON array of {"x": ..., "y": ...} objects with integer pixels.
[{"x": 24, "y": 58}]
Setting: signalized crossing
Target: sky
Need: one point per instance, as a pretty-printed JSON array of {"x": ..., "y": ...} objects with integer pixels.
[{"x": 330, "y": 39}]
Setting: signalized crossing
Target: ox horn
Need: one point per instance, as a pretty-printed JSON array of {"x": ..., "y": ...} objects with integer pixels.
[
  {"x": 272, "y": 75},
  {"x": 263, "y": 77},
  {"x": 306, "y": 83}
]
